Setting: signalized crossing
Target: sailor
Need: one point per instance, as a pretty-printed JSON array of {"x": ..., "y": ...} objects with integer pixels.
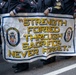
[
  {"x": 60, "y": 7},
  {"x": 20, "y": 6}
]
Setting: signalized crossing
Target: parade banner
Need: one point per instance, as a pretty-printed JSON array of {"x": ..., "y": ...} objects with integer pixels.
[{"x": 31, "y": 36}]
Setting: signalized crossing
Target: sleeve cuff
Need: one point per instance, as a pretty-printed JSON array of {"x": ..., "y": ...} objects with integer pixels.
[
  {"x": 50, "y": 9},
  {"x": 14, "y": 12}
]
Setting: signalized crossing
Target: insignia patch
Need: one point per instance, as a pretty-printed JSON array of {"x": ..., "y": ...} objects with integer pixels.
[
  {"x": 68, "y": 34},
  {"x": 13, "y": 36}
]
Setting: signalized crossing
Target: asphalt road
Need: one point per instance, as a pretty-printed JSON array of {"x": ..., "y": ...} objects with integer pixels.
[{"x": 37, "y": 67}]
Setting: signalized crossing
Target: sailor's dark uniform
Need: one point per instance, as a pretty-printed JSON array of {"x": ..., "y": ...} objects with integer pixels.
[{"x": 57, "y": 6}]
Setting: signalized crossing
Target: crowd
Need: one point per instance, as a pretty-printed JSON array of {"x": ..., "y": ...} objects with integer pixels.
[
  {"x": 47, "y": 6},
  {"x": 43, "y": 6}
]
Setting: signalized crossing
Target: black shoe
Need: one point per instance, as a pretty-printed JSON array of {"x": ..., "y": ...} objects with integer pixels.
[
  {"x": 14, "y": 66},
  {"x": 19, "y": 70},
  {"x": 18, "y": 65},
  {"x": 21, "y": 67},
  {"x": 48, "y": 61}
]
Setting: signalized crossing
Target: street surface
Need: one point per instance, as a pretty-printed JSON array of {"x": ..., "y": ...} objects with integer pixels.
[{"x": 60, "y": 67}]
